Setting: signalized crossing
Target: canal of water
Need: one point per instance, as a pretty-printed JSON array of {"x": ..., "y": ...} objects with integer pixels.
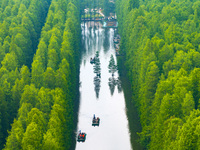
[{"x": 102, "y": 96}]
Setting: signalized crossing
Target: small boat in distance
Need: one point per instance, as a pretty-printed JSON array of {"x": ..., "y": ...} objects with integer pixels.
[
  {"x": 92, "y": 60},
  {"x": 81, "y": 137},
  {"x": 95, "y": 121}
]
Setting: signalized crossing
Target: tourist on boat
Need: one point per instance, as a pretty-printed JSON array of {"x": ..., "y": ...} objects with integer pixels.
[
  {"x": 79, "y": 133},
  {"x": 94, "y": 117}
]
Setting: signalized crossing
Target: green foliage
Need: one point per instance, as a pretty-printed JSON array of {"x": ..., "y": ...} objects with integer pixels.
[
  {"x": 133, "y": 4},
  {"x": 23, "y": 113},
  {"x": 29, "y": 95},
  {"x": 10, "y": 62},
  {"x": 4, "y": 116},
  {"x": 147, "y": 92},
  {"x": 45, "y": 102},
  {"x": 52, "y": 59},
  {"x": 171, "y": 128},
  {"x": 188, "y": 104},
  {"x": 45, "y": 96},
  {"x": 57, "y": 134},
  {"x": 25, "y": 75},
  {"x": 41, "y": 97},
  {"x": 195, "y": 85},
  {"x": 49, "y": 78},
  {"x": 14, "y": 139},
  {"x": 20, "y": 23},
  {"x": 32, "y": 137},
  {"x": 35, "y": 115},
  {"x": 37, "y": 73},
  {"x": 55, "y": 130},
  {"x": 160, "y": 40},
  {"x": 188, "y": 135}
]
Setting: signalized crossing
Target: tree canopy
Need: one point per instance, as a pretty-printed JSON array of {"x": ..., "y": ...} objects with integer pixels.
[
  {"x": 160, "y": 42},
  {"x": 39, "y": 43}
]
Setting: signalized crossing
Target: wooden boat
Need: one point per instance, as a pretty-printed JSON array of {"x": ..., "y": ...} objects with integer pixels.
[
  {"x": 81, "y": 137},
  {"x": 116, "y": 41},
  {"x": 92, "y": 60},
  {"x": 95, "y": 121}
]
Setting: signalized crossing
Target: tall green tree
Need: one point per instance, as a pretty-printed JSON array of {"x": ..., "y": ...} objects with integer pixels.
[
  {"x": 37, "y": 74},
  {"x": 29, "y": 95},
  {"x": 15, "y": 137},
  {"x": 32, "y": 137}
]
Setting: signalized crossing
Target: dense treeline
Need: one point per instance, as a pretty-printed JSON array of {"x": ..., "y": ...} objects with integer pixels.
[
  {"x": 161, "y": 43},
  {"x": 45, "y": 96},
  {"x": 20, "y": 23}
]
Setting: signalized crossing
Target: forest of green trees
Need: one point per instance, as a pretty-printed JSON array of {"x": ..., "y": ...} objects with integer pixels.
[
  {"x": 161, "y": 43},
  {"x": 39, "y": 55}
]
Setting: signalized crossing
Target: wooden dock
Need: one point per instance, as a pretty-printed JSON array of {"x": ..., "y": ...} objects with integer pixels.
[
  {"x": 110, "y": 24},
  {"x": 91, "y": 19}
]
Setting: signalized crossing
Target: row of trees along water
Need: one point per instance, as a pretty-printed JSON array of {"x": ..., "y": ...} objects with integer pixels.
[
  {"x": 37, "y": 92},
  {"x": 161, "y": 43},
  {"x": 20, "y": 24}
]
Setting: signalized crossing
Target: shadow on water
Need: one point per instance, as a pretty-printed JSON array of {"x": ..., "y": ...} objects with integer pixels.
[{"x": 132, "y": 113}]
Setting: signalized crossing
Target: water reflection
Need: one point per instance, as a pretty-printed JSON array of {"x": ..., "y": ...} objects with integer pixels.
[
  {"x": 97, "y": 85},
  {"x": 112, "y": 82},
  {"x": 112, "y": 68},
  {"x": 97, "y": 71}
]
